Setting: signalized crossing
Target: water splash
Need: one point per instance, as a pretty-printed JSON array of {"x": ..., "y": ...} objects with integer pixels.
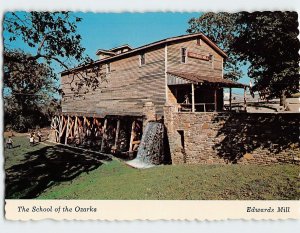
[{"x": 151, "y": 148}]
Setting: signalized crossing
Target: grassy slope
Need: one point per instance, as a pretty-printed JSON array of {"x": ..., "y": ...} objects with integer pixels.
[
  {"x": 199, "y": 182},
  {"x": 115, "y": 180},
  {"x": 21, "y": 146}
]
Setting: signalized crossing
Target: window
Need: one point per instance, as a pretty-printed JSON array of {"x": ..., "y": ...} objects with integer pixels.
[
  {"x": 108, "y": 68},
  {"x": 142, "y": 59},
  {"x": 183, "y": 55},
  {"x": 212, "y": 58},
  {"x": 198, "y": 41}
]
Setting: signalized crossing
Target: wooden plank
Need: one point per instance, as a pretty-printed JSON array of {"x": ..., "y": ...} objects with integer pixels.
[
  {"x": 193, "y": 98},
  {"x": 216, "y": 99},
  {"x": 131, "y": 136},
  {"x": 103, "y": 134},
  {"x": 71, "y": 128},
  {"x": 245, "y": 104},
  {"x": 67, "y": 130},
  {"x": 117, "y": 133},
  {"x": 230, "y": 98}
]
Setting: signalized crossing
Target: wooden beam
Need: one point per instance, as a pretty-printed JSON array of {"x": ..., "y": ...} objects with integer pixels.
[
  {"x": 76, "y": 127},
  {"x": 67, "y": 130},
  {"x": 216, "y": 99},
  {"x": 117, "y": 133},
  {"x": 230, "y": 98},
  {"x": 131, "y": 136},
  {"x": 103, "y": 134},
  {"x": 193, "y": 98},
  {"x": 245, "y": 104}
]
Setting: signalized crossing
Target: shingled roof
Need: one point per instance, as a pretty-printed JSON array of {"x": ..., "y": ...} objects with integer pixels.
[
  {"x": 200, "y": 79},
  {"x": 154, "y": 44}
]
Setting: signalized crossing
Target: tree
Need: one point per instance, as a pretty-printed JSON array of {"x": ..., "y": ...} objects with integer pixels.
[
  {"x": 29, "y": 78},
  {"x": 52, "y": 36},
  {"x": 221, "y": 28},
  {"x": 28, "y": 90},
  {"x": 269, "y": 42}
]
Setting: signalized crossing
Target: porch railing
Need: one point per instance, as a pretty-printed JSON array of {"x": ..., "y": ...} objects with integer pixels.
[{"x": 204, "y": 107}]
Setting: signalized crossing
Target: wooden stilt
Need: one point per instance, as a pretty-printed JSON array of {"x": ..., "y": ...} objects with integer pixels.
[
  {"x": 245, "y": 104},
  {"x": 216, "y": 99},
  {"x": 230, "y": 98},
  {"x": 71, "y": 130},
  {"x": 103, "y": 134},
  {"x": 117, "y": 133},
  {"x": 193, "y": 98},
  {"x": 62, "y": 127},
  {"x": 67, "y": 130},
  {"x": 132, "y": 136}
]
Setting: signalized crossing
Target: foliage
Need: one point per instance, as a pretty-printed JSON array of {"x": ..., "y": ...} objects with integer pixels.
[
  {"x": 53, "y": 37},
  {"x": 267, "y": 41},
  {"x": 29, "y": 80},
  {"x": 221, "y": 29},
  {"x": 28, "y": 86}
]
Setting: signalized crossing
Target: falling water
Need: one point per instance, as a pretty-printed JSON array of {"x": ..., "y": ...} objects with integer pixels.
[{"x": 151, "y": 150}]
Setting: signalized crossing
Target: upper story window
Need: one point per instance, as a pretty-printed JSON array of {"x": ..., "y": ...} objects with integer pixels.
[
  {"x": 108, "y": 68},
  {"x": 183, "y": 55},
  {"x": 198, "y": 41},
  {"x": 212, "y": 59},
  {"x": 142, "y": 59}
]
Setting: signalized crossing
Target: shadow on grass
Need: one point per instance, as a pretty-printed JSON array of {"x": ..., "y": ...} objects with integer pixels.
[{"x": 50, "y": 165}]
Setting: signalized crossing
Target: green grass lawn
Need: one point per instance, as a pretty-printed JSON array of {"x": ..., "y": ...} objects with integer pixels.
[{"x": 56, "y": 172}]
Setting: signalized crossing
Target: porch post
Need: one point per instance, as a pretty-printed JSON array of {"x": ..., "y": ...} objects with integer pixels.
[
  {"x": 230, "y": 98},
  {"x": 245, "y": 104},
  {"x": 193, "y": 98},
  {"x": 216, "y": 100}
]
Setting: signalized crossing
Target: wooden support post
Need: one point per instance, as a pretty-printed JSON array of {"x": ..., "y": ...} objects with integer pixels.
[
  {"x": 245, "y": 104},
  {"x": 67, "y": 130},
  {"x": 132, "y": 136},
  {"x": 193, "y": 98},
  {"x": 117, "y": 133},
  {"x": 230, "y": 98},
  {"x": 216, "y": 99},
  {"x": 71, "y": 127},
  {"x": 76, "y": 127},
  {"x": 57, "y": 122},
  {"x": 61, "y": 128},
  {"x": 103, "y": 134}
]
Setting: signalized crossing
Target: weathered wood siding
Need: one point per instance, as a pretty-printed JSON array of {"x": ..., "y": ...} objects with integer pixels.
[
  {"x": 128, "y": 87},
  {"x": 194, "y": 65}
]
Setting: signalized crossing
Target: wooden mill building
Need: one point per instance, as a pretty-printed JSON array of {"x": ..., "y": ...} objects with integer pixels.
[{"x": 184, "y": 71}]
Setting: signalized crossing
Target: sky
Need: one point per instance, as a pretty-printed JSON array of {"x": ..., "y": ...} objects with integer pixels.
[{"x": 108, "y": 30}]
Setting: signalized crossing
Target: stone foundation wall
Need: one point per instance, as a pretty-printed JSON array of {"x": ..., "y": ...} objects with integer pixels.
[{"x": 218, "y": 138}]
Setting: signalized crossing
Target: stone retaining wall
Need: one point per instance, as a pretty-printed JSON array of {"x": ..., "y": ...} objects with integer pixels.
[{"x": 218, "y": 138}]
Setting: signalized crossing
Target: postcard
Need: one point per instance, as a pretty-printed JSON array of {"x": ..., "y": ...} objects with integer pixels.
[{"x": 151, "y": 116}]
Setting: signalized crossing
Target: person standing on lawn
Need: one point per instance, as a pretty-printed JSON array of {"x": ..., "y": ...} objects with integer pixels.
[
  {"x": 31, "y": 139},
  {"x": 39, "y": 134},
  {"x": 9, "y": 143}
]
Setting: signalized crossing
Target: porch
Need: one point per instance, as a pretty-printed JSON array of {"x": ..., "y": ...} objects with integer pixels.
[{"x": 191, "y": 92}]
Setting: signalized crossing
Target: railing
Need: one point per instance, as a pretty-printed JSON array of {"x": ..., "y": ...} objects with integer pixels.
[{"x": 204, "y": 107}]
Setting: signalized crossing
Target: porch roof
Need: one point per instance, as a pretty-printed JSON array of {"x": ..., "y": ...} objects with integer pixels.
[{"x": 179, "y": 78}]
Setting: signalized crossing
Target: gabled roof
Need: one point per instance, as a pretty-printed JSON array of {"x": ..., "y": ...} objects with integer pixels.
[
  {"x": 200, "y": 79},
  {"x": 121, "y": 47},
  {"x": 99, "y": 51},
  {"x": 160, "y": 43}
]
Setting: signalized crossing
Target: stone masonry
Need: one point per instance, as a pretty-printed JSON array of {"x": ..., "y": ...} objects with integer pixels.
[{"x": 219, "y": 138}]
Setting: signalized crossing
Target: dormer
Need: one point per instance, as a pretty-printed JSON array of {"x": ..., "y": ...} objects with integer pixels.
[
  {"x": 102, "y": 54},
  {"x": 121, "y": 49}
]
